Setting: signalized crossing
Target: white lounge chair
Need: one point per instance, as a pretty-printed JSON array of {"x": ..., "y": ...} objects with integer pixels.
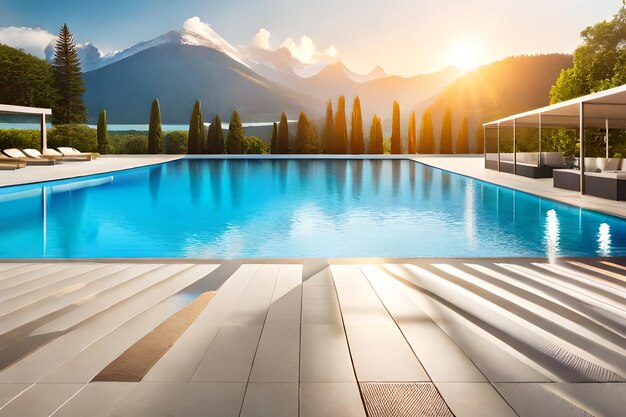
[
  {"x": 7, "y": 163},
  {"x": 67, "y": 151},
  {"x": 20, "y": 156},
  {"x": 60, "y": 157}
]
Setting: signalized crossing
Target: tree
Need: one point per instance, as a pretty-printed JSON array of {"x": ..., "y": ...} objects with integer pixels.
[
  {"x": 68, "y": 79},
  {"x": 328, "y": 136},
  {"x": 412, "y": 140},
  {"x": 426, "y": 143},
  {"x": 255, "y": 146},
  {"x": 195, "y": 138},
  {"x": 235, "y": 138},
  {"x": 25, "y": 80},
  {"x": 445, "y": 144},
  {"x": 599, "y": 63},
  {"x": 396, "y": 136},
  {"x": 283, "y": 135},
  {"x": 274, "y": 143},
  {"x": 155, "y": 133},
  {"x": 341, "y": 129},
  {"x": 462, "y": 142},
  {"x": 101, "y": 132},
  {"x": 479, "y": 146},
  {"x": 215, "y": 137},
  {"x": 376, "y": 137},
  {"x": 306, "y": 136},
  {"x": 356, "y": 128}
]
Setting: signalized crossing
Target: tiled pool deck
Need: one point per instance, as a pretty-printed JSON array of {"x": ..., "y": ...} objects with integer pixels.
[
  {"x": 505, "y": 337},
  {"x": 318, "y": 337}
]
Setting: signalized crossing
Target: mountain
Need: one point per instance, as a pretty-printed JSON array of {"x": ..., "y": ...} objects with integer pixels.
[
  {"x": 178, "y": 74},
  {"x": 376, "y": 73},
  {"x": 506, "y": 87}
]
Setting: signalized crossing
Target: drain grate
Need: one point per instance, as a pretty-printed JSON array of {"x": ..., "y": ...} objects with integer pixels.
[{"x": 390, "y": 399}]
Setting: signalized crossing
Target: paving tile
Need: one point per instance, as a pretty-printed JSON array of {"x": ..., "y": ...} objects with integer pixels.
[
  {"x": 348, "y": 276},
  {"x": 324, "y": 354},
  {"x": 360, "y": 306},
  {"x": 474, "y": 399},
  {"x": 10, "y": 391},
  {"x": 40, "y": 400},
  {"x": 168, "y": 399},
  {"x": 322, "y": 278},
  {"x": 97, "y": 399},
  {"x": 230, "y": 355},
  {"x": 251, "y": 308},
  {"x": 270, "y": 400},
  {"x": 320, "y": 305},
  {"x": 565, "y": 399},
  {"x": 380, "y": 353},
  {"x": 277, "y": 358},
  {"x": 330, "y": 400}
]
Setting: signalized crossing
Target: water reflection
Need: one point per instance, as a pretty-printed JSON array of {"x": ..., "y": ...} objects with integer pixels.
[
  {"x": 470, "y": 220},
  {"x": 604, "y": 240},
  {"x": 155, "y": 182},
  {"x": 551, "y": 237},
  {"x": 377, "y": 166},
  {"x": 357, "y": 178}
]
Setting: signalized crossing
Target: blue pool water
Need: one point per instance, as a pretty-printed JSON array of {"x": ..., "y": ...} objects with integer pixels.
[{"x": 293, "y": 208}]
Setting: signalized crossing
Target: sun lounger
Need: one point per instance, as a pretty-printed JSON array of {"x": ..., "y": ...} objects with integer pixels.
[
  {"x": 60, "y": 157},
  {"x": 34, "y": 153},
  {"x": 19, "y": 155},
  {"x": 67, "y": 151},
  {"x": 7, "y": 163}
]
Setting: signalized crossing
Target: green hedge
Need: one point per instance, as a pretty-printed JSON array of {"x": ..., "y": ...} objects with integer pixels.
[
  {"x": 128, "y": 142},
  {"x": 175, "y": 142},
  {"x": 81, "y": 137},
  {"x": 18, "y": 138}
]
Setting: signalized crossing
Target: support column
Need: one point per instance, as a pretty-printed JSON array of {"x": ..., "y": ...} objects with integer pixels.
[
  {"x": 514, "y": 147},
  {"x": 44, "y": 136},
  {"x": 539, "y": 156},
  {"x": 581, "y": 164},
  {"x": 498, "y": 147},
  {"x": 606, "y": 124}
]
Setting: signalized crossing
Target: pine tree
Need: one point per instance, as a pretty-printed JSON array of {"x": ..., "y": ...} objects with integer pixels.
[
  {"x": 328, "y": 137},
  {"x": 274, "y": 143},
  {"x": 215, "y": 138},
  {"x": 341, "y": 129},
  {"x": 356, "y": 131},
  {"x": 412, "y": 139},
  {"x": 302, "y": 132},
  {"x": 68, "y": 79},
  {"x": 101, "y": 132},
  {"x": 426, "y": 143},
  {"x": 479, "y": 144},
  {"x": 283, "y": 135},
  {"x": 236, "y": 134},
  {"x": 462, "y": 142},
  {"x": 195, "y": 138},
  {"x": 155, "y": 133},
  {"x": 445, "y": 145},
  {"x": 396, "y": 136},
  {"x": 376, "y": 137}
]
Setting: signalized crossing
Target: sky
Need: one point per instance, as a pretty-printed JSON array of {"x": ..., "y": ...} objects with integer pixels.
[{"x": 405, "y": 37}]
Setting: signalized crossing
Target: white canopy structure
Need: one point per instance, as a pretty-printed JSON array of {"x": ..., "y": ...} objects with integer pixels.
[
  {"x": 30, "y": 111},
  {"x": 605, "y": 110}
]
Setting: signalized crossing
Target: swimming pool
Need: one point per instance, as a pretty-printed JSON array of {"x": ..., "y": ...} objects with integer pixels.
[{"x": 196, "y": 208}]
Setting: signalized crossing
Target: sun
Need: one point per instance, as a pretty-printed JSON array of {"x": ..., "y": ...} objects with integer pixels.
[{"x": 466, "y": 55}]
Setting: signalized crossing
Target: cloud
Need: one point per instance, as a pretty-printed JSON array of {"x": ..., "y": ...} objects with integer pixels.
[
  {"x": 31, "y": 40},
  {"x": 332, "y": 51},
  {"x": 262, "y": 39},
  {"x": 194, "y": 24},
  {"x": 306, "y": 51}
]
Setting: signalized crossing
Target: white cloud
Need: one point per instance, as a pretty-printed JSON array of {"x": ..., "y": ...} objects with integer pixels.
[
  {"x": 331, "y": 51},
  {"x": 306, "y": 51},
  {"x": 262, "y": 39},
  {"x": 31, "y": 40}
]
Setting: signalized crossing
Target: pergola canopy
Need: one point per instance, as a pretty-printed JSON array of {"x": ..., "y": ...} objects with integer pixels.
[
  {"x": 608, "y": 105},
  {"x": 30, "y": 111}
]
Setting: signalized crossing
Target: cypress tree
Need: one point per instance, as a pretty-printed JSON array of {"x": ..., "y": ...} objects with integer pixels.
[
  {"x": 101, "y": 132},
  {"x": 445, "y": 145},
  {"x": 155, "y": 133},
  {"x": 283, "y": 135},
  {"x": 235, "y": 138},
  {"x": 462, "y": 142},
  {"x": 376, "y": 137},
  {"x": 426, "y": 143},
  {"x": 302, "y": 134},
  {"x": 341, "y": 129},
  {"x": 274, "y": 144},
  {"x": 196, "y": 130},
  {"x": 356, "y": 132},
  {"x": 412, "y": 140},
  {"x": 328, "y": 136},
  {"x": 215, "y": 138},
  {"x": 479, "y": 146},
  {"x": 68, "y": 79},
  {"x": 396, "y": 136}
]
